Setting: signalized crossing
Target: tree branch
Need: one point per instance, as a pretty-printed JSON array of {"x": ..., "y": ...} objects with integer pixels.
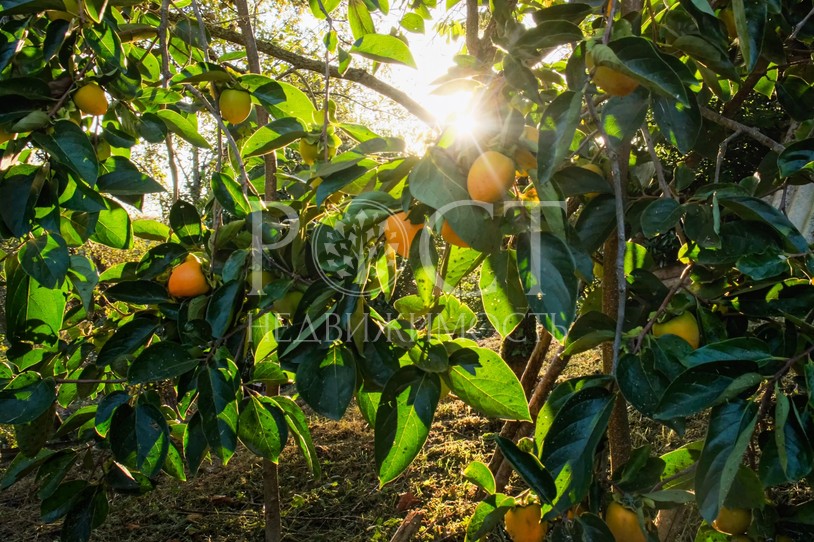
[
  {"x": 355, "y": 75},
  {"x": 736, "y": 126}
]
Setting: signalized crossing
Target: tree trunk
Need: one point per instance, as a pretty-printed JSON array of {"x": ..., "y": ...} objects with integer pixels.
[{"x": 271, "y": 474}]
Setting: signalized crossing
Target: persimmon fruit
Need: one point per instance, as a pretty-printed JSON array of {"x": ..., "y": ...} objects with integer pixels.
[
  {"x": 732, "y": 520},
  {"x": 490, "y": 177},
  {"x": 235, "y": 105},
  {"x": 624, "y": 523},
  {"x": 451, "y": 237},
  {"x": 523, "y": 524},
  {"x": 684, "y": 326},
  {"x": 399, "y": 233},
  {"x": 188, "y": 279},
  {"x": 611, "y": 81},
  {"x": 91, "y": 99}
]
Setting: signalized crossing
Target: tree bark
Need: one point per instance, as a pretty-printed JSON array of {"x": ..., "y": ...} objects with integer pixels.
[
  {"x": 271, "y": 474},
  {"x": 618, "y": 426}
]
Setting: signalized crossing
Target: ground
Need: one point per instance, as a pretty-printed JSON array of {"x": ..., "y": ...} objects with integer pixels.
[{"x": 224, "y": 504}]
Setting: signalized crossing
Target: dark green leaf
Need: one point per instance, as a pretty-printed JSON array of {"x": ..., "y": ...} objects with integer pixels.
[
  {"x": 327, "y": 383},
  {"x": 547, "y": 272},
  {"x": 26, "y": 398},
  {"x": 186, "y": 223},
  {"x": 403, "y": 419},
  {"x": 161, "y": 361},
  {"x": 45, "y": 258},
  {"x": 728, "y": 434},
  {"x": 262, "y": 427},
  {"x": 530, "y": 470},
  {"x": 70, "y": 146}
]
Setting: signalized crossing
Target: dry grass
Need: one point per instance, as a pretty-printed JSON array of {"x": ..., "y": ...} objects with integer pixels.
[{"x": 224, "y": 504}]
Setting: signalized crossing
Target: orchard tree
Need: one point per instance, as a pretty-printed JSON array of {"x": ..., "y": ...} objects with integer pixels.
[{"x": 602, "y": 131}]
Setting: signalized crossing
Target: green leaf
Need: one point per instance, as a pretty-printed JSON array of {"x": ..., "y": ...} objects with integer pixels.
[
  {"x": 218, "y": 391},
  {"x": 403, "y": 419},
  {"x": 679, "y": 123},
  {"x": 33, "y": 312},
  {"x": 104, "y": 41},
  {"x": 750, "y": 22},
  {"x": 661, "y": 216},
  {"x": 412, "y": 22},
  {"x": 62, "y": 500},
  {"x": 640, "y": 383},
  {"x": 383, "y": 48},
  {"x": 230, "y": 194},
  {"x": 19, "y": 191},
  {"x": 107, "y": 408},
  {"x": 622, "y": 117},
  {"x": 759, "y": 210},
  {"x": 53, "y": 471},
  {"x": 298, "y": 425},
  {"x": 548, "y": 273},
  {"x": 200, "y": 72},
  {"x": 636, "y": 57},
  {"x": 596, "y": 222},
  {"x": 707, "y": 53},
  {"x": 546, "y": 35},
  {"x": 488, "y": 514},
  {"x": 704, "y": 386},
  {"x": 70, "y": 146},
  {"x": 223, "y": 305},
  {"x": 359, "y": 19},
  {"x": 125, "y": 179},
  {"x": 152, "y": 439},
  {"x": 84, "y": 279},
  {"x": 262, "y": 427},
  {"x": 280, "y": 98},
  {"x": 31, "y": 437},
  {"x": 739, "y": 349},
  {"x": 186, "y": 223},
  {"x": 21, "y": 466},
  {"x": 327, "y": 383},
  {"x": 89, "y": 511},
  {"x": 195, "y": 445},
  {"x": 182, "y": 127},
  {"x": 322, "y": 8},
  {"x": 26, "y": 398},
  {"x": 504, "y": 301},
  {"x": 141, "y": 292},
  {"x": 530, "y": 469},
  {"x": 589, "y": 331},
  {"x": 557, "y": 129},
  {"x": 479, "y": 474},
  {"x": 728, "y": 435},
  {"x": 45, "y": 259},
  {"x": 481, "y": 379},
  {"x": 113, "y": 227},
  {"x": 274, "y": 135},
  {"x": 797, "y": 157},
  {"x": 793, "y": 448},
  {"x": 570, "y": 443},
  {"x": 160, "y": 361}
]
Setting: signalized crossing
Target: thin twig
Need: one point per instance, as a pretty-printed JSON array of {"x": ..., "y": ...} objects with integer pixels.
[
  {"x": 719, "y": 160},
  {"x": 651, "y": 149},
  {"x": 90, "y": 381},
  {"x": 801, "y": 24},
  {"x": 754, "y": 133},
  {"x": 616, "y": 178},
  {"x": 665, "y": 302}
]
